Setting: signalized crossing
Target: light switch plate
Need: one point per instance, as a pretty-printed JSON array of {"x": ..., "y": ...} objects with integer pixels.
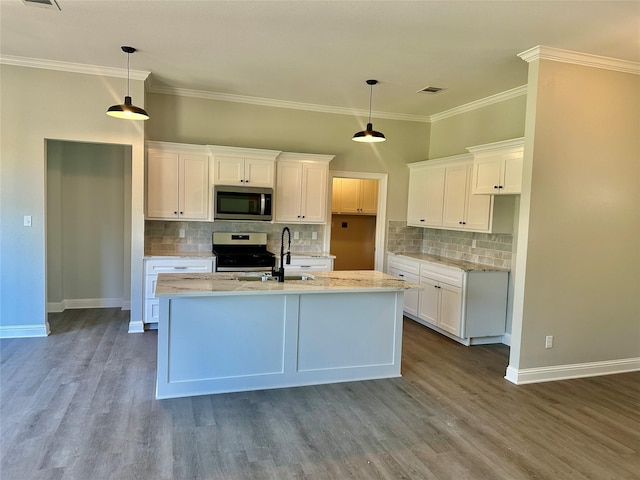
[{"x": 27, "y": 220}]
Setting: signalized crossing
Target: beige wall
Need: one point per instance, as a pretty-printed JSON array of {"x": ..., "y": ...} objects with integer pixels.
[
  {"x": 578, "y": 242},
  {"x": 492, "y": 123},
  {"x": 39, "y": 104},
  {"x": 202, "y": 121}
]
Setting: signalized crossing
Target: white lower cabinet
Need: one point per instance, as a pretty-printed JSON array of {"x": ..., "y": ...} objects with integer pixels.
[
  {"x": 467, "y": 306},
  {"x": 154, "y": 266}
]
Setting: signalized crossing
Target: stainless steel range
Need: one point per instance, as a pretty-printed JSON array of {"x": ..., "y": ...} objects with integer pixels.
[{"x": 242, "y": 252}]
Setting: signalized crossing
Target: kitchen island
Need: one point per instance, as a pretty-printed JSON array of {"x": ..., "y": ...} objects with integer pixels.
[{"x": 230, "y": 332}]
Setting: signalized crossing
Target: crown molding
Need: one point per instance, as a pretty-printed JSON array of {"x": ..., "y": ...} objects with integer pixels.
[
  {"x": 73, "y": 67},
  {"x": 585, "y": 59},
  {"x": 483, "y": 102},
  {"x": 268, "y": 102}
]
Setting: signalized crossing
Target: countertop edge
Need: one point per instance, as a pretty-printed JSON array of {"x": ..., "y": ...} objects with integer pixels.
[{"x": 464, "y": 265}]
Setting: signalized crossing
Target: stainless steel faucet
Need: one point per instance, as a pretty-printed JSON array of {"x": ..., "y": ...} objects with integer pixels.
[{"x": 280, "y": 273}]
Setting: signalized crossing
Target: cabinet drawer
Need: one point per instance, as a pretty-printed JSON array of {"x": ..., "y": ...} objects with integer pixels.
[
  {"x": 151, "y": 310},
  {"x": 405, "y": 264},
  {"x": 310, "y": 264},
  {"x": 441, "y": 273},
  {"x": 154, "y": 266},
  {"x": 404, "y": 275}
]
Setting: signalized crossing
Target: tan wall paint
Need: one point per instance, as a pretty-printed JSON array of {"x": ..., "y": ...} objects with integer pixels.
[
  {"x": 579, "y": 253},
  {"x": 39, "y": 104},
  {"x": 500, "y": 121},
  {"x": 202, "y": 121}
]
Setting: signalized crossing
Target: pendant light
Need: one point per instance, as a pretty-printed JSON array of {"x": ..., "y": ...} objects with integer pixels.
[
  {"x": 127, "y": 110},
  {"x": 369, "y": 135}
]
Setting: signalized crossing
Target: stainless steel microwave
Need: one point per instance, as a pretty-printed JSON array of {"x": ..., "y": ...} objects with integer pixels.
[{"x": 242, "y": 203}]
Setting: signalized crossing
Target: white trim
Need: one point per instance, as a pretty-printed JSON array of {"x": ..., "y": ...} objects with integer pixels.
[
  {"x": 576, "y": 370},
  {"x": 585, "y": 59},
  {"x": 506, "y": 339},
  {"x": 483, "y": 102},
  {"x": 136, "y": 326},
  {"x": 24, "y": 331},
  {"x": 381, "y": 213},
  {"x": 73, "y": 67},
  {"x": 57, "y": 307},
  {"x": 270, "y": 102}
]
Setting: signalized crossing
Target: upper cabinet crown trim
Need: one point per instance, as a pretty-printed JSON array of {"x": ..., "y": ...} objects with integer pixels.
[
  {"x": 504, "y": 144},
  {"x": 243, "y": 152},
  {"x": 462, "y": 158},
  {"x": 585, "y": 59},
  {"x": 309, "y": 157},
  {"x": 177, "y": 147}
]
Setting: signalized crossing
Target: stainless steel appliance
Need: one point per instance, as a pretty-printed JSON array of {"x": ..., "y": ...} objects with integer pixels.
[
  {"x": 242, "y": 203},
  {"x": 242, "y": 252}
]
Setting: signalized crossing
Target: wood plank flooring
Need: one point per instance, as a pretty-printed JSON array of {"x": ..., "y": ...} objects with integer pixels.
[{"x": 80, "y": 405}]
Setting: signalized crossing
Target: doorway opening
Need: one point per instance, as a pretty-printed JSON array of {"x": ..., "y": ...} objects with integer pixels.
[
  {"x": 356, "y": 232},
  {"x": 88, "y": 226}
]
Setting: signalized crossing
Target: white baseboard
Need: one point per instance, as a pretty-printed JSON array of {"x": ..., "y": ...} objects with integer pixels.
[
  {"x": 506, "y": 339},
  {"x": 566, "y": 372},
  {"x": 136, "y": 326},
  {"x": 24, "y": 331},
  {"x": 57, "y": 307}
]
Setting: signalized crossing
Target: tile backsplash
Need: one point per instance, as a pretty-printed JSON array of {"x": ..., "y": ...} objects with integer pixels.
[
  {"x": 494, "y": 250},
  {"x": 161, "y": 236}
]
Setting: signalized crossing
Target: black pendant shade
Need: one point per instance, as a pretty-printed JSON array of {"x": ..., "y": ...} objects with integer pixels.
[
  {"x": 369, "y": 135},
  {"x": 127, "y": 110}
]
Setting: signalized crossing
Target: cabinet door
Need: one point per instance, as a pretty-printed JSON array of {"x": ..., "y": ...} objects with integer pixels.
[
  {"x": 228, "y": 170},
  {"x": 428, "y": 303},
  {"x": 288, "y": 192},
  {"x": 368, "y": 198},
  {"x": 193, "y": 174},
  {"x": 512, "y": 173},
  {"x": 479, "y": 209},
  {"x": 486, "y": 175},
  {"x": 455, "y": 192},
  {"x": 350, "y": 195},
  {"x": 450, "y": 318},
  {"x": 417, "y": 197},
  {"x": 336, "y": 195},
  {"x": 434, "y": 197},
  {"x": 258, "y": 173},
  {"x": 411, "y": 297},
  {"x": 314, "y": 193},
  {"x": 162, "y": 185}
]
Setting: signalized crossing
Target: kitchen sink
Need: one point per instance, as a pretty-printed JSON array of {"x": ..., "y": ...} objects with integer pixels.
[{"x": 252, "y": 277}]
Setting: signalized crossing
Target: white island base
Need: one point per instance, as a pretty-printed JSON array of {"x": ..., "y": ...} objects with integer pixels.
[{"x": 238, "y": 341}]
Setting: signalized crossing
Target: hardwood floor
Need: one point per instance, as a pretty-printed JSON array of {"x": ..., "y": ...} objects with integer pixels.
[{"x": 80, "y": 405}]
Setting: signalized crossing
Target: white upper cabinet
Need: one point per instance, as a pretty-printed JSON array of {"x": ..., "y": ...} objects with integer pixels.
[
  {"x": 357, "y": 196},
  {"x": 497, "y": 167},
  {"x": 243, "y": 166},
  {"x": 440, "y": 197},
  {"x": 302, "y": 188},
  {"x": 177, "y": 182}
]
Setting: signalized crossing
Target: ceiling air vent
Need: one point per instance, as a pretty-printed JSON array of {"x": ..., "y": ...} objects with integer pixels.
[
  {"x": 42, "y": 4},
  {"x": 429, "y": 89}
]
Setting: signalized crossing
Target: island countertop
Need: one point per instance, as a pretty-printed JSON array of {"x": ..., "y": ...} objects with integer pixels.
[{"x": 227, "y": 283}]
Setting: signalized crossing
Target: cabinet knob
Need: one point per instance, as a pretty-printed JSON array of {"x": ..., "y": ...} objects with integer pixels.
[
  {"x": 175, "y": 213},
  {"x": 500, "y": 186},
  {"x": 496, "y": 186},
  {"x": 246, "y": 181},
  {"x": 181, "y": 213},
  {"x": 302, "y": 216}
]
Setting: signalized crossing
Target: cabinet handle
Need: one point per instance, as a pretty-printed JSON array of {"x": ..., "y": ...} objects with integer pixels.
[
  {"x": 179, "y": 268},
  {"x": 246, "y": 181},
  {"x": 422, "y": 220},
  {"x": 500, "y": 186},
  {"x": 401, "y": 274}
]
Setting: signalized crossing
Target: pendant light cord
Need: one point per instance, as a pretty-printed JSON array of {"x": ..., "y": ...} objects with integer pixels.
[
  {"x": 128, "y": 93},
  {"x": 370, "y": 99}
]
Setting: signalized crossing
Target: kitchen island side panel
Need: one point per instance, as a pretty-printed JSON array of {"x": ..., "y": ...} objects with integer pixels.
[{"x": 219, "y": 344}]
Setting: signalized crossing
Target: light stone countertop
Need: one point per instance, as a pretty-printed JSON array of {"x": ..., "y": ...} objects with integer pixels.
[
  {"x": 216, "y": 284},
  {"x": 463, "y": 265},
  {"x": 161, "y": 254},
  {"x": 302, "y": 254}
]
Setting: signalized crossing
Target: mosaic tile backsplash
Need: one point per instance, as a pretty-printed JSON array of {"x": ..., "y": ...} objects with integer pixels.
[
  {"x": 160, "y": 236},
  {"x": 495, "y": 250}
]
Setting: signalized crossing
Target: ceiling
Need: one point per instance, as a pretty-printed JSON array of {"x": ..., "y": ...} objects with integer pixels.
[{"x": 321, "y": 52}]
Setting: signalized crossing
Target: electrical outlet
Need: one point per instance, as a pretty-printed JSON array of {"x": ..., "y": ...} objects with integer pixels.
[
  {"x": 296, "y": 235},
  {"x": 548, "y": 342},
  {"x": 27, "y": 220},
  {"x": 473, "y": 243},
  {"x": 181, "y": 233},
  {"x": 314, "y": 235}
]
